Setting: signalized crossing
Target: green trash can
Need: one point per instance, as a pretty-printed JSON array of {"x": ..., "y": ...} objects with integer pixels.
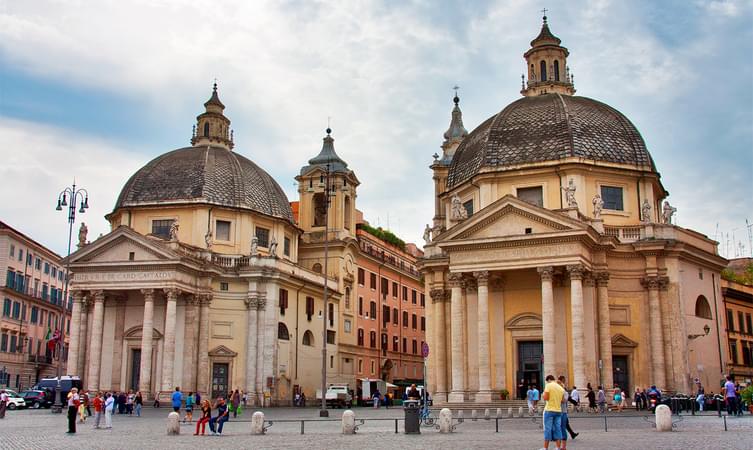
[{"x": 412, "y": 421}]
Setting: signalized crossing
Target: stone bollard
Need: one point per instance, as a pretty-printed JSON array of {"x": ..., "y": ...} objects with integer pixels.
[
  {"x": 257, "y": 423},
  {"x": 349, "y": 422},
  {"x": 461, "y": 416},
  {"x": 520, "y": 411},
  {"x": 487, "y": 415},
  {"x": 173, "y": 424},
  {"x": 509, "y": 412},
  {"x": 474, "y": 415},
  {"x": 445, "y": 420},
  {"x": 663, "y": 418},
  {"x": 499, "y": 413}
]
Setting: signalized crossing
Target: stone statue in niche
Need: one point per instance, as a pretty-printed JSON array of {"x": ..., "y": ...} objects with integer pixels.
[
  {"x": 427, "y": 234},
  {"x": 208, "y": 239},
  {"x": 667, "y": 212},
  {"x": 254, "y": 246},
  {"x": 570, "y": 194},
  {"x": 646, "y": 211},
  {"x": 174, "y": 231},
  {"x": 598, "y": 206},
  {"x": 82, "y": 232},
  {"x": 273, "y": 247},
  {"x": 457, "y": 211}
]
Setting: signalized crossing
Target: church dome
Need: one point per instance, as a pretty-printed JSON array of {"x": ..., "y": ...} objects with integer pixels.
[
  {"x": 206, "y": 174},
  {"x": 549, "y": 127}
]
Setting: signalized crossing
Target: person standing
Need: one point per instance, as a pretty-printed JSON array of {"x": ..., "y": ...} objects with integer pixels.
[
  {"x": 216, "y": 423},
  {"x": 139, "y": 402},
  {"x": 377, "y": 399},
  {"x": 235, "y": 400},
  {"x": 575, "y": 398},
  {"x": 730, "y": 396},
  {"x": 189, "y": 408},
  {"x": 617, "y": 398},
  {"x": 73, "y": 403},
  {"x": 536, "y": 398},
  {"x": 129, "y": 403},
  {"x": 591, "y": 396},
  {"x": 98, "y": 407},
  {"x": 244, "y": 396},
  {"x": 565, "y": 418},
  {"x": 206, "y": 414},
  {"x": 553, "y": 395},
  {"x": 177, "y": 400},
  {"x": 601, "y": 399},
  {"x": 529, "y": 398},
  {"x": 83, "y": 397},
  {"x": 109, "y": 408},
  {"x": 3, "y": 403}
]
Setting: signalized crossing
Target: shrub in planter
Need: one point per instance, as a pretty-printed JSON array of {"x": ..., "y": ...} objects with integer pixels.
[
  {"x": 747, "y": 396},
  {"x": 504, "y": 394}
]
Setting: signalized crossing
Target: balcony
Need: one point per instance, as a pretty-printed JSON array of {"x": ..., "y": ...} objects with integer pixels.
[
  {"x": 624, "y": 234},
  {"x": 41, "y": 359}
]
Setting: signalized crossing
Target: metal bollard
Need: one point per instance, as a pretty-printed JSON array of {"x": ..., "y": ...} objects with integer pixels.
[
  {"x": 302, "y": 425},
  {"x": 396, "y": 426},
  {"x": 605, "y": 424},
  {"x": 496, "y": 425}
]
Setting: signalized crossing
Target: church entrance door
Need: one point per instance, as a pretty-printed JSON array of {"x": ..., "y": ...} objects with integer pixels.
[
  {"x": 529, "y": 365},
  {"x": 220, "y": 373},
  {"x": 620, "y": 373},
  {"x": 135, "y": 368}
]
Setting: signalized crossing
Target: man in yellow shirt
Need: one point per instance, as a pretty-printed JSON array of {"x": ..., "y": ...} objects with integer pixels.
[{"x": 553, "y": 396}]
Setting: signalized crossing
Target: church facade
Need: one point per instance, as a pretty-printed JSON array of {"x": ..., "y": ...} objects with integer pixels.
[{"x": 553, "y": 251}]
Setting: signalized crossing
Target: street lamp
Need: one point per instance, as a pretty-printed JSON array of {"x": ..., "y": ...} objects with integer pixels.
[
  {"x": 74, "y": 195},
  {"x": 328, "y": 190},
  {"x": 706, "y": 330}
]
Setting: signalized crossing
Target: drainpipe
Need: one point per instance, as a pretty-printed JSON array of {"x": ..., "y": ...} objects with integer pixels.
[{"x": 718, "y": 336}]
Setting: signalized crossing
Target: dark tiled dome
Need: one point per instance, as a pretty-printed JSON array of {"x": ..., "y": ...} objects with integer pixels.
[
  {"x": 205, "y": 174},
  {"x": 549, "y": 127}
]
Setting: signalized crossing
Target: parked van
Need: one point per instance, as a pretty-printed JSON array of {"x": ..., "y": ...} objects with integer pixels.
[{"x": 66, "y": 383}]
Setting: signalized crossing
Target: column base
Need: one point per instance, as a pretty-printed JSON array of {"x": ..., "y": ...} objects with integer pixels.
[
  {"x": 456, "y": 397},
  {"x": 439, "y": 397},
  {"x": 484, "y": 396}
]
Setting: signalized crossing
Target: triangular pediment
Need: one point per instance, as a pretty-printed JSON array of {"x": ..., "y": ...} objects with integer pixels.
[
  {"x": 510, "y": 216},
  {"x": 620, "y": 340},
  {"x": 221, "y": 350},
  {"x": 123, "y": 245}
]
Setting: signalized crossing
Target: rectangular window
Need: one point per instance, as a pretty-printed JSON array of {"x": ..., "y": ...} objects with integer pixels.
[
  {"x": 372, "y": 310},
  {"x": 286, "y": 246},
  {"x": 283, "y": 301},
  {"x": 423, "y": 323},
  {"x": 372, "y": 339},
  {"x": 360, "y": 306},
  {"x": 385, "y": 288},
  {"x": 223, "y": 286},
  {"x": 395, "y": 317},
  {"x": 394, "y": 289},
  {"x": 372, "y": 280},
  {"x": 395, "y": 343},
  {"x": 733, "y": 350},
  {"x": 612, "y": 198},
  {"x": 309, "y": 308},
  {"x": 347, "y": 326},
  {"x": 34, "y": 314},
  {"x": 414, "y": 321},
  {"x": 330, "y": 337},
  {"x": 405, "y": 294},
  {"x": 54, "y": 271},
  {"x": 13, "y": 339},
  {"x": 360, "y": 337},
  {"x": 468, "y": 207},
  {"x": 46, "y": 267},
  {"x": 7, "y": 307},
  {"x": 10, "y": 279},
  {"x": 12, "y": 250},
  {"x": 4, "y": 343},
  {"x": 730, "y": 320},
  {"x": 262, "y": 234},
  {"x": 740, "y": 322},
  {"x": 749, "y": 323},
  {"x": 405, "y": 319},
  {"x": 222, "y": 230},
  {"x": 161, "y": 228},
  {"x": 16, "y": 310},
  {"x": 385, "y": 315},
  {"x": 405, "y": 345},
  {"x": 361, "y": 276},
  {"x": 20, "y": 254},
  {"x": 533, "y": 195},
  {"x": 38, "y": 265},
  {"x": 746, "y": 354},
  {"x": 423, "y": 300},
  {"x": 29, "y": 259},
  {"x": 360, "y": 366},
  {"x": 415, "y": 347},
  {"x": 413, "y": 296},
  {"x": 19, "y": 282},
  {"x": 331, "y": 314}
]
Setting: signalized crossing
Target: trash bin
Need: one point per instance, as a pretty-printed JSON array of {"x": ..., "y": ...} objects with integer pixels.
[{"x": 412, "y": 422}]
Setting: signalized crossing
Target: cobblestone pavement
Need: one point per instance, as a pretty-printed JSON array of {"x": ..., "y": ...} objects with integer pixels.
[{"x": 40, "y": 429}]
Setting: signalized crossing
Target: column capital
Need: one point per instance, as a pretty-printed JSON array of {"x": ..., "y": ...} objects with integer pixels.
[
  {"x": 663, "y": 283},
  {"x": 148, "y": 294},
  {"x": 172, "y": 294},
  {"x": 78, "y": 296},
  {"x": 576, "y": 271},
  {"x": 205, "y": 298},
  {"x": 261, "y": 303},
  {"x": 99, "y": 296},
  {"x": 469, "y": 283},
  {"x": 252, "y": 303},
  {"x": 497, "y": 282},
  {"x": 589, "y": 280},
  {"x": 191, "y": 299},
  {"x": 438, "y": 295},
  {"x": 482, "y": 277},
  {"x": 602, "y": 279},
  {"x": 455, "y": 279},
  {"x": 546, "y": 273},
  {"x": 650, "y": 282}
]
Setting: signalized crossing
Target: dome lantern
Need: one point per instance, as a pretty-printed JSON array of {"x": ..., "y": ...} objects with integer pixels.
[
  {"x": 546, "y": 63},
  {"x": 212, "y": 127}
]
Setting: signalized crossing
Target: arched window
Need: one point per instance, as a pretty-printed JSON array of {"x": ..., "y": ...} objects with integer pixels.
[
  {"x": 282, "y": 332},
  {"x": 206, "y": 129},
  {"x": 308, "y": 338},
  {"x": 317, "y": 268},
  {"x": 556, "y": 70},
  {"x": 543, "y": 70},
  {"x": 702, "y": 308},
  {"x": 320, "y": 209}
]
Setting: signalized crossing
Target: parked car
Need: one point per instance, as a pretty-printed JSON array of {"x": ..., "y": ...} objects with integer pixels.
[
  {"x": 15, "y": 401},
  {"x": 36, "y": 399}
]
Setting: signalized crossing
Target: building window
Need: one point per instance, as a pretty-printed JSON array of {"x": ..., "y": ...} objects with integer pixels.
[
  {"x": 12, "y": 250},
  {"x": 385, "y": 315},
  {"x": 34, "y": 314},
  {"x": 347, "y": 298},
  {"x": 740, "y": 322},
  {"x": 317, "y": 268},
  {"x": 347, "y": 213},
  {"x": 282, "y": 332},
  {"x": 360, "y": 306},
  {"x": 320, "y": 209},
  {"x": 286, "y": 246},
  {"x": 20, "y": 254},
  {"x": 330, "y": 337},
  {"x": 161, "y": 228},
  {"x": 13, "y": 340},
  {"x": 372, "y": 339},
  {"x": 262, "y": 235},
  {"x": 360, "y": 337},
  {"x": 612, "y": 198},
  {"x": 468, "y": 207},
  {"x": 733, "y": 350},
  {"x": 413, "y": 296},
  {"x": 384, "y": 344},
  {"x": 415, "y": 347},
  {"x": 395, "y": 344},
  {"x": 372, "y": 367},
  {"x": 746, "y": 354},
  {"x": 206, "y": 129},
  {"x": 46, "y": 266},
  {"x": 405, "y": 319},
  {"x": 423, "y": 323},
  {"x": 360, "y": 366},
  {"x": 347, "y": 326},
  {"x": 423, "y": 300},
  {"x": 223, "y": 286},
  {"x": 385, "y": 288},
  {"x": 394, "y": 289},
  {"x": 700, "y": 273},
  {"x": 749, "y": 323},
  {"x": 556, "y": 70},
  {"x": 309, "y": 308},
  {"x": 7, "y": 307},
  {"x": 4, "y": 343},
  {"x": 54, "y": 271},
  {"x": 730, "y": 320},
  {"x": 373, "y": 310},
  {"x": 308, "y": 338},
  {"x": 16, "y": 310},
  {"x": 533, "y": 195},
  {"x": 405, "y": 345},
  {"x": 414, "y": 321},
  {"x": 702, "y": 308},
  {"x": 372, "y": 281},
  {"x": 222, "y": 230},
  {"x": 395, "y": 316},
  {"x": 331, "y": 314},
  {"x": 10, "y": 279},
  {"x": 542, "y": 65},
  {"x": 361, "y": 276},
  {"x": 283, "y": 301}
]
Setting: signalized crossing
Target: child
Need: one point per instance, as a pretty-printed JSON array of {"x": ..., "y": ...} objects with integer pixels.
[{"x": 189, "y": 408}]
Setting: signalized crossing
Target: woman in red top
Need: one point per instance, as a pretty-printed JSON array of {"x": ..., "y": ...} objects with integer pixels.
[
  {"x": 206, "y": 413},
  {"x": 98, "y": 404}
]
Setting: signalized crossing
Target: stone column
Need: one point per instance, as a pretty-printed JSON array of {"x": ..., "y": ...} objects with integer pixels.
[
  {"x": 456, "y": 324},
  {"x": 605, "y": 329},
  {"x": 484, "y": 394},
  {"x": 657, "y": 338},
  {"x": 74, "y": 339},
  {"x": 438, "y": 297},
  {"x": 500, "y": 348},
  {"x": 147, "y": 331},
  {"x": 261, "y": 307},
  {"x": 547, "y": 318},
  {"x": 202, "y": 382},
  {"x": 168, "y": 348},
  {"x": 83, "y": 338},
  {"x": 251, "y": 347},
  {"x": 673, "y": 360},
  {"x": 577, "y": 322},
  {"x": 189, "y": 346},
  {"x": 95, "y": 347},
  {"x": 117, "y": 345}
]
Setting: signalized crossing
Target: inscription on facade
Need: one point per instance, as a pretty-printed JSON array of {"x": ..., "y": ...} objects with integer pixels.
[{"x": 122, "y": 276}]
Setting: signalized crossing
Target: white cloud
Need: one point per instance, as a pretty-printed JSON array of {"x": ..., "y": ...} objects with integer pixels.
[{"x": 38, "y": 160}]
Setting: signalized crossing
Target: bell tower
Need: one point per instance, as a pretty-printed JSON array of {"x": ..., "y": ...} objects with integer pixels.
[
  {"x": 547, "y": 68},
  {"x": 212, "y": 127}
]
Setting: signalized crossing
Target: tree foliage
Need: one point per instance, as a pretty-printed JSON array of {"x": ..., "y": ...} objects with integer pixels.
[
  {"x": 385, "y": 235},
  {"x": 745, "y": 277}
]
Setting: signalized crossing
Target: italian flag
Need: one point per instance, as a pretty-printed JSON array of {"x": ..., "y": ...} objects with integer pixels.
[{"x": 49, "y": 339}]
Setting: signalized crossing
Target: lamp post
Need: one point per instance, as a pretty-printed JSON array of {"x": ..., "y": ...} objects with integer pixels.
[
  {"x": 74, "y": 195},
  {"x": 327, "y": 187}
]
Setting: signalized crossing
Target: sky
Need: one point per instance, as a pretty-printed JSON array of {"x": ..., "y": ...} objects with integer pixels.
[{"x": 93, "y": 90}]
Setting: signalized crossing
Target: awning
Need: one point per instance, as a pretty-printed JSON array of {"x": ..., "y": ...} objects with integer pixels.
[{"x": 390, "y": 385}]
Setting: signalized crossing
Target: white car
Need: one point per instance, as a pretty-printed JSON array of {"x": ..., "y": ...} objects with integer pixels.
[{"x": 15, "y": 401}]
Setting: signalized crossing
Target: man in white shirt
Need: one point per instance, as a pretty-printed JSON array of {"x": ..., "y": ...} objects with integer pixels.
[
  {"x": 575, "y": 397},
  {"x": 3, "y": 403}
]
